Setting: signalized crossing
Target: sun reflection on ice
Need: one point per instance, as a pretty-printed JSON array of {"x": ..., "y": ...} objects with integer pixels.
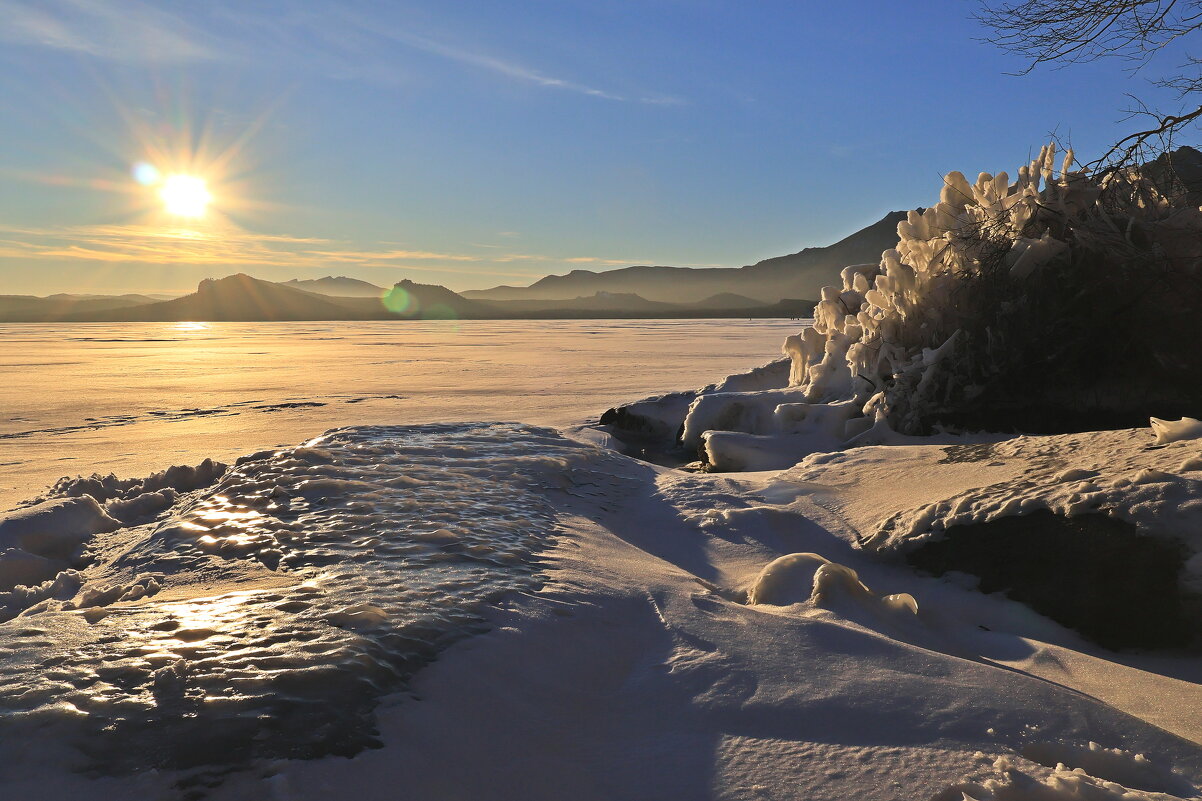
[{"x": 189, "y": 327}]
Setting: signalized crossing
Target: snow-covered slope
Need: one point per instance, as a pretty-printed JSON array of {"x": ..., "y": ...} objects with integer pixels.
[{"x": 598, "y": 628}]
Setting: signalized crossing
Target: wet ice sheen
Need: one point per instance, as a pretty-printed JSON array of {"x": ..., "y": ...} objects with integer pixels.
[{"x": 280, "y": 603}]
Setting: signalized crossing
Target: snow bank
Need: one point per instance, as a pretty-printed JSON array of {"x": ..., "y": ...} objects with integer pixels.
[
  {"x": 181, "y": 478},
  {"x": 1083, "y": 523},
  {"x": 43, "y": 542},
  {"x": 1112, "y": 473}
]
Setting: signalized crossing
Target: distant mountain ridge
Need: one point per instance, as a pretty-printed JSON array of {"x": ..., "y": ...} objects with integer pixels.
[
  {"x": 785, "y": 286},
  {"x": 797, "y": 275},
  {"x": 243, "y": 298},
  {"x": 30, "y": 309},
  {"x": 340, "y": 286},
  {"x": 234, "y": 298}
]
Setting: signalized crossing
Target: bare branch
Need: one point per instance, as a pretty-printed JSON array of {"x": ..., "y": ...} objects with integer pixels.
[{"x": 1063, "y": 32}]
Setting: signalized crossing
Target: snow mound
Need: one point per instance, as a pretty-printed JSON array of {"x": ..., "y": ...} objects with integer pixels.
[
  {"x": 786, "y": 580},
  {"x": 804, "y": 577},
  {"x": 43, "y": 542},
  {"x": 54, "y": 529}
]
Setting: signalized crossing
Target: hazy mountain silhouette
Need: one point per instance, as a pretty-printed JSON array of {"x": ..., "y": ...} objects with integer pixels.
[
  {"x": 797, "y": 275},
  {"x": 235, "y": 297},
  {"x": 341, "y": 286},
  {"x": 784, "y": 286},
  {"x": 726, "y": 300},
  {"x": 410, "y": 300},
  {"x": 27, "y": 308},
  {"x": 243, "y": 298}
]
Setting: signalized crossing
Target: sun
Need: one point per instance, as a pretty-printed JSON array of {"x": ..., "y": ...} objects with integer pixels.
[{"x": 184, "y": 195}]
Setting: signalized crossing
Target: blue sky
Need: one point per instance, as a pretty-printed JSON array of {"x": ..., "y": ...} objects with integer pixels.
[{"x": 479, "y": 143}]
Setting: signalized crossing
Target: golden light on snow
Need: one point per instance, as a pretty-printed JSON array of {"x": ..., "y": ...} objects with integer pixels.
[{"x": 184, "y": 195}]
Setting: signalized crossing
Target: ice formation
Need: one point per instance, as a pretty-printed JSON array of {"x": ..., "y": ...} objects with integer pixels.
[
  {"x": 882, "y": 336},
  {"x": 265, "y": 611},
  {"x": 939, "y": 328},
  {"x": 1167, "y": 431},
  {"x": 1068, "y": 782},
  {"x": 801, "y": 577}
]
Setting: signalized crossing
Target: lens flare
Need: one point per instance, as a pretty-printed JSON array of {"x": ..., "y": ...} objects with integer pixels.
[
  {"x": 398, "y": 301},
  {"x": 146, "y": 174},
  {"x": 185, "y": 195}
]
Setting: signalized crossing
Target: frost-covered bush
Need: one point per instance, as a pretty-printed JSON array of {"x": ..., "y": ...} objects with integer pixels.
[{"x": 1055, "y": 302}]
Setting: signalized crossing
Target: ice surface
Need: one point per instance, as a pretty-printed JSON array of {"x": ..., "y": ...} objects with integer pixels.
[
  {"x": 637, "y": 631},
  {"x": 178, "y": 393},
  {"x": 265, "y": 615}
]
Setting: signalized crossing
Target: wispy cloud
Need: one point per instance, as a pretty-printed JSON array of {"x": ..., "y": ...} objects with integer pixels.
[
  {"x": 497, "y": 65},
  {"x": 128, "y": 31},
  {"x": 330, "y": 38},
  {"x": 236, "y": 248}
]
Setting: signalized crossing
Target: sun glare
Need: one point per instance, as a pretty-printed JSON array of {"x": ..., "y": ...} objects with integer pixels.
[{"x": 184, "y": 195}]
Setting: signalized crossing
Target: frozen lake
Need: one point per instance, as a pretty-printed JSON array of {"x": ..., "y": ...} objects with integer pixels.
[{"x": 130, "y": 398}]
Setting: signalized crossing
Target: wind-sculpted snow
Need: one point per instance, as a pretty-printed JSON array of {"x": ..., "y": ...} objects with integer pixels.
[
  {"x": 264, "y": 616},
  {"x": 1112, "y": 775},
  {"x": 1155, "y": 488}
]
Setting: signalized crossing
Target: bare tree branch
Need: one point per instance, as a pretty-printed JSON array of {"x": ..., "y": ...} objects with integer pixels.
[{"x": 1063, "y": 32}]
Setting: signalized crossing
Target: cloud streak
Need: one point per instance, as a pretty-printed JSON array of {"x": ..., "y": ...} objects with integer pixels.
[
  {"x": 130, "y": 32},
  {"x": 228, "y": 246},
  {"x": 331, "y": 39}
]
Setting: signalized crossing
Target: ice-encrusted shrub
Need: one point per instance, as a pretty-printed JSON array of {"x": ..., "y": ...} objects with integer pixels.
[{"x": 1059, "y": 301}]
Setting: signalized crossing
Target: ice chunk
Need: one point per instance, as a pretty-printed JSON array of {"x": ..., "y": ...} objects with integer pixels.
[
  {"x": 1167, "y": 431},
  {"x": 786, "y": 580},
  {"x": 1111, "y": 764},
  {"x": 55, "y": 529},
  {"x": 807, "y": 577}
]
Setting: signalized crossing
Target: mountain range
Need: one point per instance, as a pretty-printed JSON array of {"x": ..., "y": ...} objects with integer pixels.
[
  {"x": 785, "y": 286},
  {"x": 797, "y": 275}
]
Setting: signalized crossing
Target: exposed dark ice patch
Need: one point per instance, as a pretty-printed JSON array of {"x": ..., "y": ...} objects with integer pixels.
[
  {"x": 976, "y": 452},
  {"x": 275, "y": 407}
]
